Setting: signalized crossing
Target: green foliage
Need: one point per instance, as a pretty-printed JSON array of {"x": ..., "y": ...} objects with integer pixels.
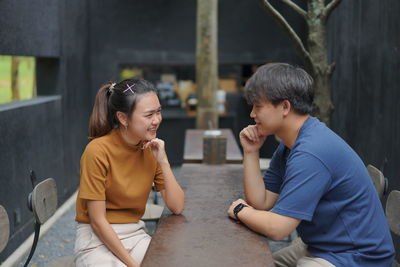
[
  {"x": 128, "y": 73},
  {"x": 26, "y": 78}
]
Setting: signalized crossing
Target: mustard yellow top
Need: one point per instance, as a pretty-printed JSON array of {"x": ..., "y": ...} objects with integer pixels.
[{"x": 119, "y": 173}]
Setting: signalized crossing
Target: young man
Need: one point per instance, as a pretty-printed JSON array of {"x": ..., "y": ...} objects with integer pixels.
[{"x": 316, "y": 184}]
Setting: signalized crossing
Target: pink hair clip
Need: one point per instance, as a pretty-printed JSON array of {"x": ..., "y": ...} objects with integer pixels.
[{"x": 130, "y": 88}]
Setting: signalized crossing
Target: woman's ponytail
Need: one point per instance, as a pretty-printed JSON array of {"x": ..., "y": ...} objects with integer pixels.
[{"x": 99, "y": 123}]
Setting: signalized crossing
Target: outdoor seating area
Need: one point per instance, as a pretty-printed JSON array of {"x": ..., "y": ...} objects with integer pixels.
[
  {"x": 221, "y": 182},
  {"x": 199, "y": 236},
  {"x": 174, "y": 117}
]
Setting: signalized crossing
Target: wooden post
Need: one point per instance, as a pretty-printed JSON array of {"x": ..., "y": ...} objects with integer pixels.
[
  {"x": 14, "y": 78},
  {"x": 207, "y": 64}
]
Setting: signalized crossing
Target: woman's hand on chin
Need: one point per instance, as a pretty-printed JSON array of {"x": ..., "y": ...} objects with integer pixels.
[{"x": 157, "y": 146}]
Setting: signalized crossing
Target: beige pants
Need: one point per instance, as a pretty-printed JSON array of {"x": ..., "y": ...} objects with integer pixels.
[
  {"x": 296, "y": 255},
  {"x": 91, "y": 251}
]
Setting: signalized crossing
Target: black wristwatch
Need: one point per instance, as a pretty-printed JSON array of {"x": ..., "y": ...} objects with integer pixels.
[{"x": 237, "y": 209}]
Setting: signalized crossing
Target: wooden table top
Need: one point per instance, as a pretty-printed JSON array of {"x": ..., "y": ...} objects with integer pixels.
[
  {"x": 204, "y": 235},
  {"x": 193, "y": 149}
]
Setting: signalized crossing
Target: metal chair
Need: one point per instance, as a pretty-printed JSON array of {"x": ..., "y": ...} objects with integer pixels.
[
  {"x": 4, "y": 228},
  {"x": 153, "y": 212},
  {"x": 43, "y": 203},
  {"x": 380, "y": 182},
  {"x": 393, "y": 215}
]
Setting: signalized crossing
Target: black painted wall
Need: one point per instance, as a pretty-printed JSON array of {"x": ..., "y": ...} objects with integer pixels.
[
  {"x": 364, "y": 40},
  {"x": 46, "y": 134},
  {"x": 30, "y": 28},
  {"x": 163, "y": 32}
]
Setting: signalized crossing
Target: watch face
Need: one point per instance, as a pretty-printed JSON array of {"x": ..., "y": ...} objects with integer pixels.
[{"x": 237, "y": 209}]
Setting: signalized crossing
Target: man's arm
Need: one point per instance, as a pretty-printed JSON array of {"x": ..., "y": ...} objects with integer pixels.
[
  {"x": 268, "y": 223},
  {"x": 254, "y": 188}
]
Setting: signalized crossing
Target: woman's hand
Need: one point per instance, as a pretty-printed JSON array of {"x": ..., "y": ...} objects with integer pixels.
[
  {"x": 157, "y": 146},
  {"x": 250, "y": 139}
]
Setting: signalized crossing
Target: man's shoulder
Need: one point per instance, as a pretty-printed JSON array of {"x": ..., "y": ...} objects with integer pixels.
[{"x": 318, "y": 138}]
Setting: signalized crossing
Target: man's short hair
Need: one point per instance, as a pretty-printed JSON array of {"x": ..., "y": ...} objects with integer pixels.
[{"x": 276, "y": 82}]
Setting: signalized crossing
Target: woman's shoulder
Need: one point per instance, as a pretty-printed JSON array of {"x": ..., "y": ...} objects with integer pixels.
[{"x": 98, "y": 145}]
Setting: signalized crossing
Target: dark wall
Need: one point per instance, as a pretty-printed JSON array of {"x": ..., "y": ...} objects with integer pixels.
[
  {"x": 27, "y": 142},
  {"x": 364, "y": 38},
  {"x": 247, "y": 34},
  {"x": 74, "y": 85},
  {"x": 164, "y": 32},
  {"x": 30, "y": 28},
  {"x": 48, "y": 133}
]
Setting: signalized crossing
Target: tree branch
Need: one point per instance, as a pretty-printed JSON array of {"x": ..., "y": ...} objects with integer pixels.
[
  {"x": 296, "y": 8},
  {"x": 292, "y": 34},
  {"x": 331, "y": 68},
  {"x": 330, "y": 7}
]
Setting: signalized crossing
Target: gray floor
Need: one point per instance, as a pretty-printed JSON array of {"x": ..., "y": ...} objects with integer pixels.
[{"x": 58, "y": 242}]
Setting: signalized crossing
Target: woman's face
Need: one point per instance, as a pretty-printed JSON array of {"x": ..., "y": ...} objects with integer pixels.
[{"x": 145, "y": 119}]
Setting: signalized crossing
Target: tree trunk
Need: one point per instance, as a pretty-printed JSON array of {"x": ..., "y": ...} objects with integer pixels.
[
  {"x": 320, "y": 70},
  {"x": 206, "y": 64},
  {"x": 323, "y": 105},
  {"x": 14, "y": 78},
  {"x": 315, "y": 56}
]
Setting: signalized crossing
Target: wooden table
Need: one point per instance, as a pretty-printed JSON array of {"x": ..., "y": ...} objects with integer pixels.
[
  {"x": 193, "y": 149},
  {"x": 204, "y": 235}
]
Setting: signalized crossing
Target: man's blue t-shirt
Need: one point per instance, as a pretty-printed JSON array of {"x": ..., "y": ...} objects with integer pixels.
[{"x": 323, "y": 182}]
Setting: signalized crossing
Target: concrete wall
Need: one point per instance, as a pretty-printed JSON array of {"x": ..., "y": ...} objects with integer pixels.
[
  {"x": 46, "y": 134},
  {"x": 30, "y": 28}
]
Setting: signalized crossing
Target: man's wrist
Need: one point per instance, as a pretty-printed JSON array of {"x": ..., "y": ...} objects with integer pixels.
[{"x": 238, "y": 208}]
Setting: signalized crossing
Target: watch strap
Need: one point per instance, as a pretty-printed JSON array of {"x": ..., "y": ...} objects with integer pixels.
[{"x": 237, "y": 209}]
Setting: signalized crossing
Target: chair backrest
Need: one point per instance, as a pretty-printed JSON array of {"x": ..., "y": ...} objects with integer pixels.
[
  {"x": 44, "y": 200},
  {"x": 378, "y": 179},
  {"x": 153, "y": 212},
  {"x": 393, "y": 211},
  {"x": 4, "y": 228}
]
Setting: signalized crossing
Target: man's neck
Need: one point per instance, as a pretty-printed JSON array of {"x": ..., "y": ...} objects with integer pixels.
[{"x": 291, "y": 128}]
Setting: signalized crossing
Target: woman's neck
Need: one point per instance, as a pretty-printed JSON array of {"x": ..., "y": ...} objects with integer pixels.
[{"x": 126, "y": 136}]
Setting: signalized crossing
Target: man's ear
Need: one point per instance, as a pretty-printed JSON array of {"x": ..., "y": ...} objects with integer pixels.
[
  {"x": 286, "y": 107},
  {"x": 122, "y": 118}
]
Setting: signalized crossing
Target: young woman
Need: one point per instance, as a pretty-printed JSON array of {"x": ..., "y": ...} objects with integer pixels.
[{"x": 118, "y": 168}]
